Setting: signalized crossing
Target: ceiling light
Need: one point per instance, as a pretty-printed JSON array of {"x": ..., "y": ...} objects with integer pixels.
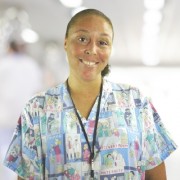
[
  {"x": 150, "y": 59},
  {"x": 71, "y": 3},
  {"x": 154, "y": 4},
  {"x": 151, "y": 29},
  {"x": 152, "y": 16},
  {"x": 150, "y": 49},
  {"x": 29, "y": 36},
  {"x": 23, "y": 17},
  {"x": 11, "y": 13}
]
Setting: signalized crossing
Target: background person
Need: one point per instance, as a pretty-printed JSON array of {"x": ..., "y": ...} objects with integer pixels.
[{"x": 20, "y": 78}]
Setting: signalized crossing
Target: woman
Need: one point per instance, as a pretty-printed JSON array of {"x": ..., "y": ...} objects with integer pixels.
[{"x": 87, "y": 109}]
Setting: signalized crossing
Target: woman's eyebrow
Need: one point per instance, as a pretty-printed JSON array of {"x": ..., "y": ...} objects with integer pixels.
[
  {"x": 86, "y": 31},
  {"x": 81, "y": 30}
]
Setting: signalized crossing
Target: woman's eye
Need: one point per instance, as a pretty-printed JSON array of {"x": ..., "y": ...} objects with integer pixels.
[
  {"x": 82, "y": 39},
  {"x": 103, "y": 43}
]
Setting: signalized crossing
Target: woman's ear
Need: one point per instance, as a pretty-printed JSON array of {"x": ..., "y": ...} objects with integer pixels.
[{"x": 65, "y": 44}]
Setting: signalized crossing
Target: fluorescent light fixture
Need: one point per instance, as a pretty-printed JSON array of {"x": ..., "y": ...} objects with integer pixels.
[
  {"x": 71, "y": 3},
  {"x": 29, "y": 36},
  {"x": 151, "y": 29},
  {"x": 149, "y": 41},
  {"x": 150, "y": 59},
  {"x": 150, "y": 56},
  {"x": 11, "y": 13},
  {"x": 23, "y": 17},
  {"x": 154, "y": 4},
  {"x": 78, "y": 9},
  {"x": 152, "y": 16}
]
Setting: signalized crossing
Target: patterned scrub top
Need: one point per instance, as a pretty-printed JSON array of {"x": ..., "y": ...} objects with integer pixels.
[{"x": 49, "y": 144}]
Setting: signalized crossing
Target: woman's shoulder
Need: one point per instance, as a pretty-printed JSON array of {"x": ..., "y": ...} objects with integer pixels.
[
  {"x": 128, "y": 91},
  {"x": 50, "y": 93},
  {"x": 124, "y": 87}
]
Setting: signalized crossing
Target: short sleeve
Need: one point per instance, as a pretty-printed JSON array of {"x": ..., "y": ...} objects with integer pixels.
[
  {"x": 157, "y": 143},
  {"x": 24, "y": 153}
]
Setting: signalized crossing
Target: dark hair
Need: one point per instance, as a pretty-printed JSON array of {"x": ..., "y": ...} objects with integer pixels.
[
  {"x": 14, "y": 46},
  {"x": 106, "y": 70},
  {"x": 87, "y": 12}
]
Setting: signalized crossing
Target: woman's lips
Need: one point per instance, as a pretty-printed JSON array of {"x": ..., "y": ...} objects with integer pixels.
[{"x": 88, "y": 63}]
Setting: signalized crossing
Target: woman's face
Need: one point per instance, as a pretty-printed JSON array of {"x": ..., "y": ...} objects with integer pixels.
[{"x": 88, "y": 47}]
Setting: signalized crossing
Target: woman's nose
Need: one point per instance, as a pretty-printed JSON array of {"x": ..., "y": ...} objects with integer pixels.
[{"x": 91, "y": 49}]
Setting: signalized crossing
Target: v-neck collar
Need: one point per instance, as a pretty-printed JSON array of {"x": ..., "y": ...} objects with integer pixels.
[{"x": 107, "y": 88}]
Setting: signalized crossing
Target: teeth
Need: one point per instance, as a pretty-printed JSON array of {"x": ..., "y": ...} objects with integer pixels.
[{"x": 89, "y": 63}]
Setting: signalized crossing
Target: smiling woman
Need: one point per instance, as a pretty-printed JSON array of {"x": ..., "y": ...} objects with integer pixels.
[
  {"x": 92, "y": 41},
  {"x": 88, "y": 47},
  {"x": 89, "y": 127}
]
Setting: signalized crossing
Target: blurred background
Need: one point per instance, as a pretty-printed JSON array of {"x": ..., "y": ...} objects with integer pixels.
[{"x": 145, "y": 54}]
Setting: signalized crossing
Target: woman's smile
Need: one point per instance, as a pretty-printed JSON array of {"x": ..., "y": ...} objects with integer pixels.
[{"x": 89, "y": 63}]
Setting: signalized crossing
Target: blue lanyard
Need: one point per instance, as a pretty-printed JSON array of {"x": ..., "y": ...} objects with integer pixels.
[{"x": 91, "y": 159}]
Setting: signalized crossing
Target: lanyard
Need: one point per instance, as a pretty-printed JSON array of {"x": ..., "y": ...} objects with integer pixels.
[{"x": 91, "y": 159}]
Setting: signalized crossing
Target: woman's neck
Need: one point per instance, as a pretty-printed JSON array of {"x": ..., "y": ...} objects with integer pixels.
[
  {"x": 84, "y": 87},
  {"x": 84, "y": 94}
]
